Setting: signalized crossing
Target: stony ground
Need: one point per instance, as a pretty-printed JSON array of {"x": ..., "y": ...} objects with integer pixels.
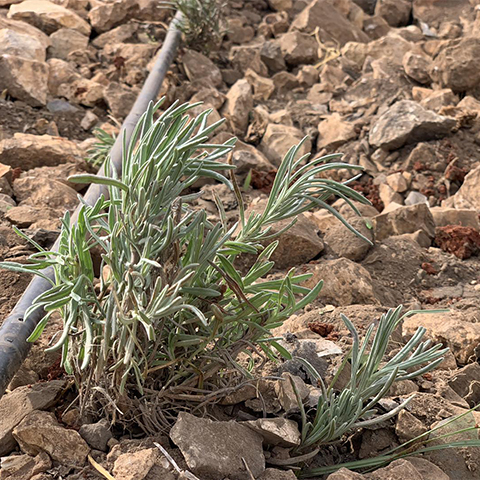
[{"x": 394, "y": 85}]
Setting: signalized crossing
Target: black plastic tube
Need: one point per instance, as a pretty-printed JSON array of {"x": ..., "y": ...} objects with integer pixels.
[{"x": 16, "y": 329}]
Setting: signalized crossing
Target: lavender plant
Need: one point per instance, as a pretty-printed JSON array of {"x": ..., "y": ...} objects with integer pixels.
[
  {"x": 202, "y": 25},
  {"x": 168, "y": 312},
  {"x": 371, "y": 376}
]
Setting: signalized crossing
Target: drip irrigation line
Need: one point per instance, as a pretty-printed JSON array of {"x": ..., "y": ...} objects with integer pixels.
[{"x": 16, "y": 329}]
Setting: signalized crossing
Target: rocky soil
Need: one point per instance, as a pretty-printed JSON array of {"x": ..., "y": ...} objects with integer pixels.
[{"x": 393, "y": 85}]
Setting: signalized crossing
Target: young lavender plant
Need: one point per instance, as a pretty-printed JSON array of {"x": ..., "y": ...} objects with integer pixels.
[
  {"x": 371, "y": 377},
  {"x": 101, "y": 148},
  {"x": 168, "y": 313},
  {"x": 202, "y": 25}
]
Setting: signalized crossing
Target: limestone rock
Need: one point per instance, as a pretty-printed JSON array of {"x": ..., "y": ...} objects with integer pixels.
[
  {"x": 272, "y": 56},
  {"x": 458, "y": 66},
  {"x": 243, "y": 57},
  {"x": 212, "y": 118},
  {"x": 469, "y": 103},
  {"x": 345, "y": 243},
  {"x": 263, "y": 88},
  {"x": 230, "y": 75},
  {"x": 238, "y": 32},
  {"x": 395, "y": 12},
  {"x": 120, "y": 99},
  {"x": 49, "y": 192},
  {"x": 464, "y": 379},
  {"x": 14, "y": 406},
  {"x": 375, "y": 27},
  {"x": 286, "y": 394},
  {"x": 96, "y": 435},
  {"x": 265, "y": 398},
  {"x": 22, "y": 217},
  {"x": 274, "y": 474},
  {"x": 276, "y": 431},
  {"x": 142, "y": 464},
  {"x": 335, "y": 131},
  {"x": 20, "y": 44},
  {"x": 136, "y": 56},
  {"x": 259, "y": 119},
  {"x": 280, "y": 5},
  {"x": 215, "y": 449},
  {"x": 408, "y": 426},
  {"x": 297, "y": 245},
  {"x": 402, "y": 388},
  {"x": 346, "y": 282},
  {"x": 468, "y": 196},
  {"x": 29, "y": 151},
  {"x": 151, "y": 11},
  {"x": 402, "y": 220},
  {"x": 345, "y": 474},
  {"x": 48, "y": 16},
  {"x": 417, "y": 67},
  {"x": 459, "y": 463},
  {"x": 298, "y": 48},
  {"x": 24, "y": 376},
  {"x": 23, "y": 28},
  {"x": 237, "y": 107},
  {"x": 281, "y": 116},
  {"x": 454, "y": 329},
  {"x": 209, "y": 96},
  {"x": 91, "y": 93},
  {"x": 413, "y": 468},
  {"x": 398, "y": 182},
  {"x": 407, "y": 122},
  {"x": 438, "y": 99},
  {"x": 392, "y": 46},
  {"x": 246, "y": 157},
  {"x": 120, "y": 34},
  {"x": 59, "y": 173},
  {"x": 105, "y": 16},
  {"x": 414, "y": 198},
  {"x": 307, "y": 76},
  {"x": 435, "y": 13},
  {"x": 389, "y": 197},
  {"x": 24, "y": 467},
  {"x": 332, "y": 25},
  {"x": 398, "y": 470},
  {"x": 199, "y": 67},
  {"x": 278, "y": 139},
  {"x": 66, "y": 40},
  {"x": 40, "y": 431},
  {"x": 6, "y": 173},
  {"x": 274, "y": 24},
  {"x": 89, "y": 120},
  {"x": 428, "y": 470},
  {"x": 285, "y": 82},
  {"x": 444, "y": 216},
  {"x": 60, "y": 73},
  {"x": 5, "y": 183},
  {"x": 24, "y": 79}
]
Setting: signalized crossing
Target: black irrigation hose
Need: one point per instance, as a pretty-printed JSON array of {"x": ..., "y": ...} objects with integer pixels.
[{"x": 16, "y": 329}]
